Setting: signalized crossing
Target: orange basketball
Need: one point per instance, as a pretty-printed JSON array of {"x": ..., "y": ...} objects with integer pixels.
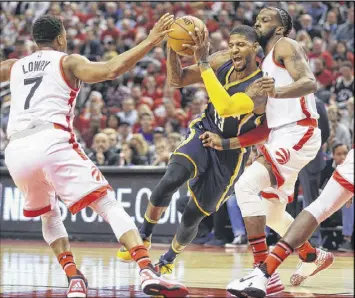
[{"x": 181, "y": 35}]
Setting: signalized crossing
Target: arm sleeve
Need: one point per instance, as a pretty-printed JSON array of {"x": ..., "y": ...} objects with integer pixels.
[
  {"x": 255, "y": 136},
  {"x": 225, "y": 105}
]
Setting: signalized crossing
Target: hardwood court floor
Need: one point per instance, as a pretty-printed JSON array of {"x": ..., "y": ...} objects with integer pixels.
[{"x": 28, "y": 269}]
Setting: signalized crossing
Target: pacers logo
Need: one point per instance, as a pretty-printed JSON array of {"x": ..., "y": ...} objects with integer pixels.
[
  {"x": 282, "y": 156},
  {"x": 95, "y": 172}
]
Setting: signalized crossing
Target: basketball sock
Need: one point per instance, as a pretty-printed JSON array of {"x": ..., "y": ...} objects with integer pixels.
[
  {"x": 306, "y": 252},
  {"x": 171, "y": 254},
  {"x": 259, "y": 248},
  {"x": 147, "y": 227},
  {"x": 66, "y": 260},
  {"x": 139, "y": 253},
  {"x": 281, "y": 251}
]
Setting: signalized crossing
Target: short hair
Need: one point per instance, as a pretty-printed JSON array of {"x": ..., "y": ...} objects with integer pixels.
[
  {"x": 347, "y": 64},
  {"x": 145, "y": 114},
  {"x": 247, "y": 31},
  {"x": 285, "y": 19},
  {"x": 46, "y": 28},
  {"x": 336, "y": 145}
]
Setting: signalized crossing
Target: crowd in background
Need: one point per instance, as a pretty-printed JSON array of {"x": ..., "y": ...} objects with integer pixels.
[{"x": 138, "y": 119}]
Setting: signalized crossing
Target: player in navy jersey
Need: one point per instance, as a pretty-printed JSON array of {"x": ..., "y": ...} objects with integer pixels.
[{"x": 210, "y": 174}]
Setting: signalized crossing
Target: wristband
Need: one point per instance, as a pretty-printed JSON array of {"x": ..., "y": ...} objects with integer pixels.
[
  {"x": 202, "y": 62},
  {"x": 226, "y": 144}
]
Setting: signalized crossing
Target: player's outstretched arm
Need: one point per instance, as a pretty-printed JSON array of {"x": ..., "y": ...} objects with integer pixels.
[
  {"x": 93, "y": 72},
  {"x": 252, "y": 137},
  {"x": 179, "y": 77},
  {"x": 5, "y": 69},
  {"x": 294, "y": 58}
]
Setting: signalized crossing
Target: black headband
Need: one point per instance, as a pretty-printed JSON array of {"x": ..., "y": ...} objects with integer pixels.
[{"x": 283, "y": 16}]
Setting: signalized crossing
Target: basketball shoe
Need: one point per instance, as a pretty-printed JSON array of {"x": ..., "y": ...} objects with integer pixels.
[
  {"x": 306, "y": 269},
  {"x": 261, "y": 285},
  {"x": 274, "y": 285},
  {"x": 154, "y": 284},
  {"x": 78, "y": 285},
  {"x": 163, "y": 266},
  {"x": 123, "y": 254},
  {"x": 252, "y": 285}
]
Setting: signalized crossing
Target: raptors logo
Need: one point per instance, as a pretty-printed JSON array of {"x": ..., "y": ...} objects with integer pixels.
[
  {"x": 282, "y": 156},
  {"x": 95, "y": 172}
]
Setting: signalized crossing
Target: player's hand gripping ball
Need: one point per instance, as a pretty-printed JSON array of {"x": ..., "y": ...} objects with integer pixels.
[{"x": 180, "y": 34}]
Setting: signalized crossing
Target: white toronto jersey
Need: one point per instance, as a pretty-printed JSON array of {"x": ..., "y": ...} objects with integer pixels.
[
  {"x": 40, "y": 93},
  {"x": 282, "y": 111}
]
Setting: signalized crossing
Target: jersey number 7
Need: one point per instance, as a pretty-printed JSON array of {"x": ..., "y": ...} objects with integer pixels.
[{"x": 36, "y": 81}]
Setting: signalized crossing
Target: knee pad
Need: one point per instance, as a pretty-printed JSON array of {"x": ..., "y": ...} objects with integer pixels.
[
  {"x": 175, "y": 176},
  {"x": 190, "y": 221},
  {"x": 332, "y": 198},
  {"x": 52, "y": 226},
  {"x": 247, "y": 189},
  {"x": 276, "y": 216},
  {"x": 113, "y": 213},
  {"x": 192, "y": 215}
]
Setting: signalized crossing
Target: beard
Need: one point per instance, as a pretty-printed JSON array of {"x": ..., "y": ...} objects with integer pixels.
[
  {"x": 263, "y": 39},
  {"x": 242, "y": 68}
]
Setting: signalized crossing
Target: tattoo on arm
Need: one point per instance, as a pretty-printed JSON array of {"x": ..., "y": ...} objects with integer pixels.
[
  {"x": 298, "y": 63},
  {"x": 174, "y": 70}
]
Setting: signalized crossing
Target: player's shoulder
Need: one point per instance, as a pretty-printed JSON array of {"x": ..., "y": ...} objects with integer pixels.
[
  {"x": 218, "y": 59},
  {"x": 73, "y": 59},
  {"x": 286, "y": 44}
]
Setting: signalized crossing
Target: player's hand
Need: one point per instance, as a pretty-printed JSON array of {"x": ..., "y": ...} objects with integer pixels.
[
  {"x": 211, "y": 140},
  {"x": 201, "y": 47},
  {"x": 256, "y": 93},
  {"x": 268, "y": 86},
  {"x": 161, "y": 28}
]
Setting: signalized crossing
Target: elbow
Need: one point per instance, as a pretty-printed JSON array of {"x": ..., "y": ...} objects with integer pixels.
[
  {"x": 174, "y": 84},
  {"x": 223, "y": 112},
  {"x": 112, "y": 75}
]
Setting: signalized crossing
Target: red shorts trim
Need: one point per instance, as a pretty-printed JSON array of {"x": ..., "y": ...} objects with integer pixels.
[
  {"x": 269, "y": 195},
  {"x": 304, "y": 139},
  {"x": 37, "y": 212},
  {"x": 88, "y": 199},
  {"x": 304, "y": 107},
  {"x": 72, "y": 140},
  {"x": 343, "y": 182},
  {"x": 279, "y": 179}
]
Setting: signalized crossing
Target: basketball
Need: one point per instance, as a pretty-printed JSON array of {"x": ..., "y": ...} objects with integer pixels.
[{"x": 181, "y": 35}]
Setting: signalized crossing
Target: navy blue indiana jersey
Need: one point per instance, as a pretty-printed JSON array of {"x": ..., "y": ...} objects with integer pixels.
[{"x": 231, "y": 126}]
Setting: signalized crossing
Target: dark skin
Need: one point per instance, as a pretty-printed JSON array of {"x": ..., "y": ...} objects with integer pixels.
[
  {"x": 287, "y": 53},
  {"x": 78, "y": 68},
  {"x": 290, "y": 54},
  {"x": 239, "y": 47},
  {"x": 179, "y": 77}
]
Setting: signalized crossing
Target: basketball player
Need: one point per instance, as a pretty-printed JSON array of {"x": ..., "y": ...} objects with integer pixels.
[
  {"x": 210, "y": 174},
  {"x": 338, "y": 191},
  {"x": 44, "y": 158},
  {"x": 294, "y": 140}
]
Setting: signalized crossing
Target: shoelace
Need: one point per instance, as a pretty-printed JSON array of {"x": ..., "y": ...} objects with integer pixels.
[{"x": 163, "y": 264}]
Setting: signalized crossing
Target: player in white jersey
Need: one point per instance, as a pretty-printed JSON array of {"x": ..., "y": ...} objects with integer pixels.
[
  {"x": 338, "y": 191},
  {"x": 44, "y": 158},
  {"x": 293, "y": 142},
  {"x": 294, "y": 137}
]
